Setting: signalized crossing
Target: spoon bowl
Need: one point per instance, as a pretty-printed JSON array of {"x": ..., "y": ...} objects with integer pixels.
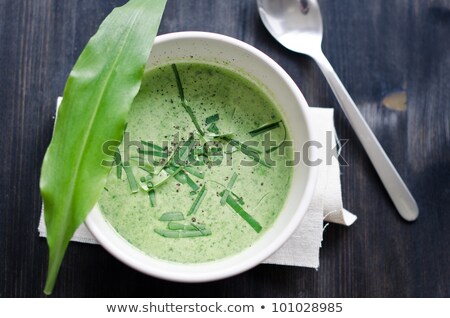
[{"x": 282, "y": 17}]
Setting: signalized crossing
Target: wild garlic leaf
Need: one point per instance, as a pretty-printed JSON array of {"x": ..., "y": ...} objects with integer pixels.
[{"x": 97, "y": 97}]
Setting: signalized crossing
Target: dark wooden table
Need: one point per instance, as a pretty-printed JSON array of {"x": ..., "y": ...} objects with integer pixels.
[{"x": 376, "y": 47}]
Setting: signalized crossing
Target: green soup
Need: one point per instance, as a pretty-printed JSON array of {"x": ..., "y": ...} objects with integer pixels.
[{"x": 225, "y": 218}]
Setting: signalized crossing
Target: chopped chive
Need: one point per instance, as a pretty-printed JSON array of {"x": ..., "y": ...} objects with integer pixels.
[
  {"x": 153, "y": 153},
  {"x": 199, "y": 151},
  {"x": 225, "y": 195},
  {"x": 232, "y": 114},
  {"x": 255, "y": 156},
  {"x": 201, "y": 160},
  {"x": 181, "y": 153},
  {"x": 249, "y": 151},
  {"x": 198, "y": 200},
  {"x": 118, "y": 162},
  {"x": 186, "y": 107},
  {"x": 147, "y": 178},
  {"x": 194, "y": 120},
  {"x": 228, "y": 189},
  {"x": 232, "y": 151},
  {"x": 241, "y": 146},
  {"x": 216, "y": 160},
  {"x": 213, "y": 128},
  {"x": 239, "y": 199},
  {"x": 265, "y": 128},
  {"x": 191, "y": 183},
  {"x": 166, "y": 179},
  {"x": 169, "y": 160},
  {"x": 275, "y": 147},
  {"x": 232, "y": 180},
  {"x": 130, "y": 176},
  {"x": 245, "y": 147},
  {"x": 182, "y": 234},
  {"x": 119, "y": 168},
  {"x": 194, "y": 172},
  {"x": 152, "y": 145},
  {"x": 152, "y": 197},
  {"x": 184, "y": 151},
  {"x": 178, "y": 79},
  {"x": 172, "y": 216},
  {"x": 215, "y": 151},
  {"x": 143, "y": 186},
  {"x": 146, "y": 167},
  {"x": 279, "y": 145},
  {"x": 187, "y": 227},
  {"x": 212, "y": 119},
  {"x": 197, "y": 227},
  {"x": 180, "y": 176},
  {"x": 226, "y": 137},
  {"x": 243, "y": 214},
  {"x": 106, "y": 189}
]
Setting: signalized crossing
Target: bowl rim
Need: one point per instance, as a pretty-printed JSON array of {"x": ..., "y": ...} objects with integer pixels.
[{"x": 303, "y": 204}]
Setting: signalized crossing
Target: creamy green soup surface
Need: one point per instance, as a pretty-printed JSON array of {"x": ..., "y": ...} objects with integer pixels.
[{"x": 231, "y": 104}]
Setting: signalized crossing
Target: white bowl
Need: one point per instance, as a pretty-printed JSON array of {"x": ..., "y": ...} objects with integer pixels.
[{"x": 245, "y": 59}]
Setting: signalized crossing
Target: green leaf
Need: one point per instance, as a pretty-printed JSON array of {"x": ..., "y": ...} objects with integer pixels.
[{"x": 97, "y": 97}]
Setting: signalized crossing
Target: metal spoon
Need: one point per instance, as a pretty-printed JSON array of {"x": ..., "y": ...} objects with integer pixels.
[{"x": 297, "y": 25}]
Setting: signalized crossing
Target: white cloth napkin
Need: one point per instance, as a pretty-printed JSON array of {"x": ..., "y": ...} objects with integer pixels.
[{"x": 302, "y": 249}]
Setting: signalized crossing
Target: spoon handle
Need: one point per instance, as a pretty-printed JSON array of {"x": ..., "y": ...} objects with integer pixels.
[{"x": 396, "y": 188}]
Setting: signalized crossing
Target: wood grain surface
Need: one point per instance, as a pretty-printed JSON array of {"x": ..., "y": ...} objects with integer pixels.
[{"x": 376, "y": 47}]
